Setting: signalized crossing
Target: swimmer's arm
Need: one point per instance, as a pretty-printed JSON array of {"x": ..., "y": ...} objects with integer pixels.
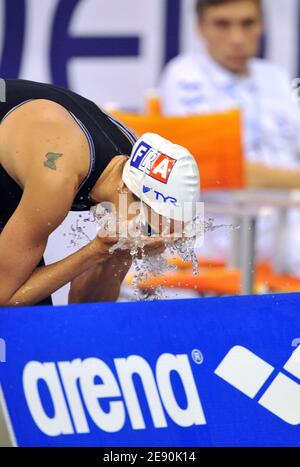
[
  {"x": 44, "y": 205},
  {"x": 262, "y": 176},
  {"x": 101, "y": 283},
  {"x": 50, "y": 171}
]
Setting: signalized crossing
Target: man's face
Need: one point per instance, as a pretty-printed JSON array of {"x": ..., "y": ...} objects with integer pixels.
[{"x": 232, "y": 33}]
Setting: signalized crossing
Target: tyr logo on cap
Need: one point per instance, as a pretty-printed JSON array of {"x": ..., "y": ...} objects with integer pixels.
[{"x": 153, "y": 163}]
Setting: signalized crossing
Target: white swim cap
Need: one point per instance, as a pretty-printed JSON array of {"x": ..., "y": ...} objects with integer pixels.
[{"x": 163, "y": 175}]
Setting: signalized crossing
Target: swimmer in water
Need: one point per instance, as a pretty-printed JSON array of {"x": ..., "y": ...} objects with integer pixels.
[{"x": 60, "y": 152}]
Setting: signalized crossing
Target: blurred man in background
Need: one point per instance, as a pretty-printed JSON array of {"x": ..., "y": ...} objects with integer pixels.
[{"x": 227, "y": 75}]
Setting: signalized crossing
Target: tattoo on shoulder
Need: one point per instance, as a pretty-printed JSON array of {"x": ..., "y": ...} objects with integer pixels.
[{"x": 51, "y": 159}]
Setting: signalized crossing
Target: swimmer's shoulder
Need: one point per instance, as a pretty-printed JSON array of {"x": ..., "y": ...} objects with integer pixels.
[
  {"x": 37, "y": 126},
  {"x": 38, "y": 113}
]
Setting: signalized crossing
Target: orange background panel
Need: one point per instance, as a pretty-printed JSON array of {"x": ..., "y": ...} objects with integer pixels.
[{"x": 214, "y": 140}]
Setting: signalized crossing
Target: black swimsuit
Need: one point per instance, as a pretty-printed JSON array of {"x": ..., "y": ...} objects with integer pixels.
[{"x": 107, "y": 138}]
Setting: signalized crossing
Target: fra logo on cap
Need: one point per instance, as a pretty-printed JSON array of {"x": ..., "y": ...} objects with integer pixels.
[{"x": 153, "y": 163}]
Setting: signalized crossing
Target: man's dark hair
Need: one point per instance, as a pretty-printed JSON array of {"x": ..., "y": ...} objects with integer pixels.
[{"x": 202, "y": 5}]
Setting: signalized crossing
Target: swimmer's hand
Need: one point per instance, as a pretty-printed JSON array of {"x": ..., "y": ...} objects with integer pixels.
[
  {"x": 147, "y": 245},
  {"x": 152, "y": 246},
  {"x": 126, "y": 236}
]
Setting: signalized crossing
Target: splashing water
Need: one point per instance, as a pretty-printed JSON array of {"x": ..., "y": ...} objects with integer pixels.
[
  {"x": 145, "y": 266},
  {"x": 78, "y": 234}
]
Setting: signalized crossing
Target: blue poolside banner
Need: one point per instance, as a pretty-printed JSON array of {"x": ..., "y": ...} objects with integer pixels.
[{"x": 188, "y": 373}]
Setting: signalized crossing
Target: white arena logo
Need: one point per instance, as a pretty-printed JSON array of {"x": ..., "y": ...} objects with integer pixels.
[
  {"x": 248, "y": 373},
  {"x": 78, "y": 377},
  {"x": 74, "y": 390}
]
